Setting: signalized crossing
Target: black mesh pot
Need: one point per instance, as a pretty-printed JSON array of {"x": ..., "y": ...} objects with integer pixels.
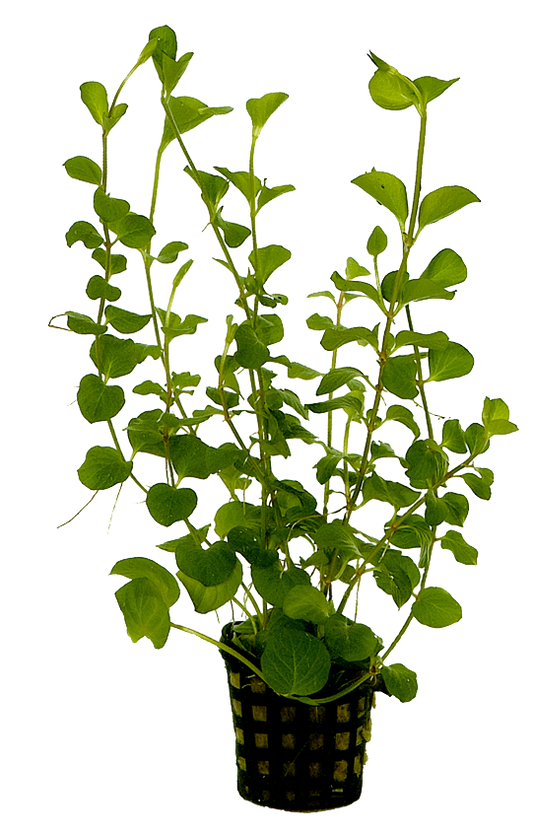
[{"x": 291, "y": 755}]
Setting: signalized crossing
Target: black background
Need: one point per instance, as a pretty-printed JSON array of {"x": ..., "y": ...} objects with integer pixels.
[{"x": 151, "y": 729}]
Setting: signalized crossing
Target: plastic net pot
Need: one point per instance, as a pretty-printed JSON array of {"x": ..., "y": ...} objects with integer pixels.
[{"x": 295, "y": 756}]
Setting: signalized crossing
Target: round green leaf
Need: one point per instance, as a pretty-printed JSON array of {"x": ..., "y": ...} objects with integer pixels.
[
  {"x": 295, "y": 662},
  {"x": 168, "y": 505},
  {"x": 400, "y": 681},
  {"x": 108, "y": 209},
  {"x": 133, "y": 230},
  {"x": 84, "y": 232},
  {"x": 103, "y": 467},
  {"x": 98, "y": 402},
  {"x": 399, "y": 376},
  {"x": 389, "y": 88},
  {"x": 436, "y": 608},
  {"x": 452, "y": 362},
  {"x": 161, "y": 579},
  {"x": 145, "y": 613},
  {"x": 306, "y": 603},
  {"x": 84, "y": 169},
  {"x": 94, "y": 96},
  {"x": 211, "y": 567},
  {"x": 349, "y": 641}
]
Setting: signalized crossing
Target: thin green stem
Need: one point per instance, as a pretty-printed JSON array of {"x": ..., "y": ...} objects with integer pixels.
[{"x": 420, "y": 378}]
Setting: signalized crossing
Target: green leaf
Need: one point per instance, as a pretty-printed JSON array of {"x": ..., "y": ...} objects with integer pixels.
[
  {"x": 399, "y": 376},
  {"x": 83, "y": 324},
  {"x": 431, "y": 88},
  {"x": 295, "y": 662},
  {"x": 166, "y": 43},
  {"x": 144, "y": 433},
  {"x": 390, "y": 89},
  {"x": 453, "y": 437},
  {"x": 427, "y": 463},
  {"x": 460, "y": 549},
  {"x": 190, "y": 456},
  {"x": 337, "y": 336},
  {"x": 98, "y": 287},
  {"x": 240, "y": 514},
  {"x": 145, "y": 613},
  {"x": 188, "y": 113},
  {"x": 251, "y": 352},
  {"x": 436, "y": 340},
  {"x": 336, "y": 378},
  {"x": 84, "y": 169},
  {"x": 349, "y": 641},
  {"x": 443, "y": 202},
  {"x": 476, "y": 439},
  {"x": 446, "y": 269},
  {"x": 234, "y": 234},
  {"x": 337, "y": 536},
  {"x": 306, "y": 603},
  {"x": 400, "y": 496},
  {"x": 377, "y": 242},
  {"x": 388, "y": 190},
  {"x": 241, "y": 180},
  {"x": 173, "y": 70},
  {"x": 355, "y": 286},
  {"x": 208, "y": 598},
  {"x": 94, "y": 96},
  {"x": 268, "y": 260},
  {"x": 496, "y": 417},
  {"x": 246, "y": 543},
  {"x": 351, "y": 400},
  {"x": 117, "y": 115},
  {"x": 108, "y": 209},
  {"x": 169, "y": 252},
  {"x": 98, "y": 402},
  {"x": 452, "y": 362},
  {"x": 400, "y": 681},
  {"x": 319, "y": 323},
  {"x": 260, "y": 109},
  {"x": 452, "y": 508},
  {"x": 398, "y": 576},
  {"x": 211, "y": 567},
  {"x": 436, "y": 608},
  {"x": 398, "y": 413},
  {"x": 354, "y": 270},
  {"x": 168, "y": 505},
  {"x": 296, "y": 370},
  {"x": 124, "y": 321},
  {"x": 161, "y": 579},
  {"x": 103, "y": 467},
  {"x": 133, "y": 230},
  {"x": 413, "y": 533},
  {"x": 273, "y": 584},
  {"x": 267, "y": 194},
  {"x": 415, "y": 290},
  {"x": 479, "y": 485},
  {"x": 179, "y": 327},
  {"x": 115, "y": 357},
  {"x": 118, "y": 262},
  {"x": 84, "y": 232}
]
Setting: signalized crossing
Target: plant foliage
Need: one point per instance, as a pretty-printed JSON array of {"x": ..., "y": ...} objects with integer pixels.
[{"x": 301, "y": 627}]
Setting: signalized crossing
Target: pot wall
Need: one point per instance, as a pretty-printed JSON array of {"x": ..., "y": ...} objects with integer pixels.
[{"x": 291, "y": 755}]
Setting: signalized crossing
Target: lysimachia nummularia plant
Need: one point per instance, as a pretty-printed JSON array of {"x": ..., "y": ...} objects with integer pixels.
[{"x": 297, "y": 625}]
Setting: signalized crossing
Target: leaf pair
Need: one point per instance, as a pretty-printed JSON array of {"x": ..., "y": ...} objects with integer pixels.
[
  {"x": 393, "y": 91},
  {"x": 390, "y": 191}
]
